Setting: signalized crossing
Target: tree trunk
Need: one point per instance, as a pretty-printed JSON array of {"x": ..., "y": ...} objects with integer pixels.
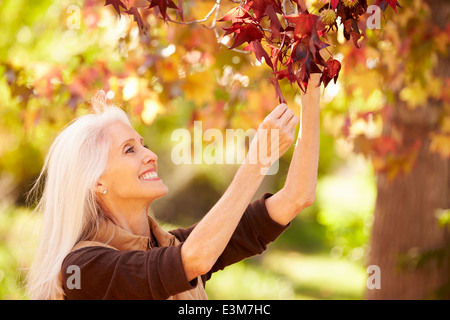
[{"x": 405, "y": 224}]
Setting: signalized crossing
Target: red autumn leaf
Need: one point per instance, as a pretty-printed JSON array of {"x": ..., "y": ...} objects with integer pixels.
[
  {"x": 180, "y": 9},
  {"x": 304, "y": 72},
  {"x": 333, "y": 68},
  {"x": 278, "y": 91},
  {"x": 138, "y": 18},
  {"x": 331, "y": 71},
  {"x": 162, "y": 6},
  {"x": 319, "y": 60},
  {"x": 305, "y": 58},
  {"x": 384, "y": 3},
  {"x": 384, "y": 145},
  {"x": 355, "y": 37},
  {"x": 116, "y": 4},
  {"x": 257, "y": 48},
  {"x": 301, "y": 5},
  {"x": 259, "y": 7},
  {"x": 245, "y": 33},
  {"x": 302, "y": 82},
  {"x": 315, "y": 44},
  {"x": 275, "y": 54},
  {"x": 237, "y": 14},
  {"x": 233, "y": 29},
  {"x": 286, "y": 73},
  {"x": 275, "y": 24},
  {"x": 304, "y": 24},
  {"x": 334, "y": 3},
  {"x": 349, "y": 19},
  {"x": 348, "y": 25},
  {"x": 346, "y": 127},
  {"x": 308, "y": 26},
  {"x": 351, "y": 30},
  {"x": 299, "y": 52}
]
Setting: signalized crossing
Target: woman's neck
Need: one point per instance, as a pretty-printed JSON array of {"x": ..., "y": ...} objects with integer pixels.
[
  {"x": 133, "y": 219},
  {"x": 136, "y": 224}
]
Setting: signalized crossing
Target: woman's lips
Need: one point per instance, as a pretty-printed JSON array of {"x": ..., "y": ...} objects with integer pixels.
[{"x": 149, "y": 175}]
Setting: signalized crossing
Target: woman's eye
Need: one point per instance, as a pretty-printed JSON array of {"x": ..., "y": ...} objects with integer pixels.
[{"x": 129, "y": 150}]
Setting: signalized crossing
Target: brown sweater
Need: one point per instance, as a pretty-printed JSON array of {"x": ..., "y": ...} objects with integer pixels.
[{"x": 158, "y": 272}]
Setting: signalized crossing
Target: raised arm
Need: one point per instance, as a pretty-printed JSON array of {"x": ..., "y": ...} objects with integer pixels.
[
  {"x": 300, "y": 186},
  {"x": 209, "y": 238}
]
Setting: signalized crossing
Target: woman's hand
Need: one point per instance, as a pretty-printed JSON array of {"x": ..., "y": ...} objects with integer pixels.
[{"x": 274, "y": 137}]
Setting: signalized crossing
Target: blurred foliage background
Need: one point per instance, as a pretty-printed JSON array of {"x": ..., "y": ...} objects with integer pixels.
[{"x": 55, "y": 54}]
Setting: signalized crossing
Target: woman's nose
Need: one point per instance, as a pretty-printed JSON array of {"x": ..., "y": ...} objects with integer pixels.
[{"x": 149, "y": 156}]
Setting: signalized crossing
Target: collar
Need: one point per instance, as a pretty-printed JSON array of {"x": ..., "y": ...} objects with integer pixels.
[{"x": 123, "y": 240}]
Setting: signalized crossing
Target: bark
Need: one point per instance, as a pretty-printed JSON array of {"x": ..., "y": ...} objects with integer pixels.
[{"x": 405, "y": 225}]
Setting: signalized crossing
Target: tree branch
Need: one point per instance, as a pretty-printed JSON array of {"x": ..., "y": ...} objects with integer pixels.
[
  {"x": 206, "y": 18},
  {"x": 213, "y": 26}
]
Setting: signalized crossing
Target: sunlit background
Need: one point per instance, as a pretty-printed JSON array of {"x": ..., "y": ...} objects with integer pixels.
[{"x": 55, "y": 54}]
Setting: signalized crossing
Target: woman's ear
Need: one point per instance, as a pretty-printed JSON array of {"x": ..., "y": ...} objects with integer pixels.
[{"x": 101, "y": 188}]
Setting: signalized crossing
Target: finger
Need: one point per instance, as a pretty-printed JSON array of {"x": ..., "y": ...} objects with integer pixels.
[
  {"x": 278, "y": 111},
  {"x": 287, "y": 115},
  {"x": 293, "y": 122}
]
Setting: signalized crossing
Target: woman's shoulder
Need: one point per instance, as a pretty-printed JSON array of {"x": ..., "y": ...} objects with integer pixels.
[
  {"x": 86, "y": 249},
  {"x": 85, "y": 244},
  {"x": 104, "y": 272},
  {"x": 86, "y": 271},
  {"x": 85, "y": 252}
]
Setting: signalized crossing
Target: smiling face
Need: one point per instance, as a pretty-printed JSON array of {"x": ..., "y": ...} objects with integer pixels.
[{"x": 131, "y": 172}]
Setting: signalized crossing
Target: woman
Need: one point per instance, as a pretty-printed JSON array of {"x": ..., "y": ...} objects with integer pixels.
[{"x": 98, "y": 240}]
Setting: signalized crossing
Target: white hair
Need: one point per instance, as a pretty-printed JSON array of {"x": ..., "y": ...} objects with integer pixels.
[{"x": 71, "y": 212}]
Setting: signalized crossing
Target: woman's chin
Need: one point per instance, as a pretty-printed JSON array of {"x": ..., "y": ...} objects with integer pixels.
[{"x": 162, "y": 191}]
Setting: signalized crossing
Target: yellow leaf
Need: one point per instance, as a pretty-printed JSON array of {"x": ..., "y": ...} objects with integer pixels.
[
  {"x": 378, "y": 163},
  {"x": 151, "y": 108},
  {"x": 130, "y": 88},
  {"x": 414, "y": 95},
  {"x": 199, "y": 87},
  {"x": 445, "y": 127},
  {"x": 442, "y": 41},
  {"x": 434, "y": 87},
  {"x": 168, "y": 69},
  {"x": 440, "y": 143}
]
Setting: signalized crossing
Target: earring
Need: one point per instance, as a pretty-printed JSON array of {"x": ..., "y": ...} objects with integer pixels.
[{"x": 104, "y": 191}]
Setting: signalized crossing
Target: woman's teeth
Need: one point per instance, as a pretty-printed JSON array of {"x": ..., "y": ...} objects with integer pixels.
[{"x": 149, "y": 176}]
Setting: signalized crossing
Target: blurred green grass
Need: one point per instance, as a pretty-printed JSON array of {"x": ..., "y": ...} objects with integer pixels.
[
  {"x": 289, "y": 275},
  {"x": 17, "y": 244}
]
